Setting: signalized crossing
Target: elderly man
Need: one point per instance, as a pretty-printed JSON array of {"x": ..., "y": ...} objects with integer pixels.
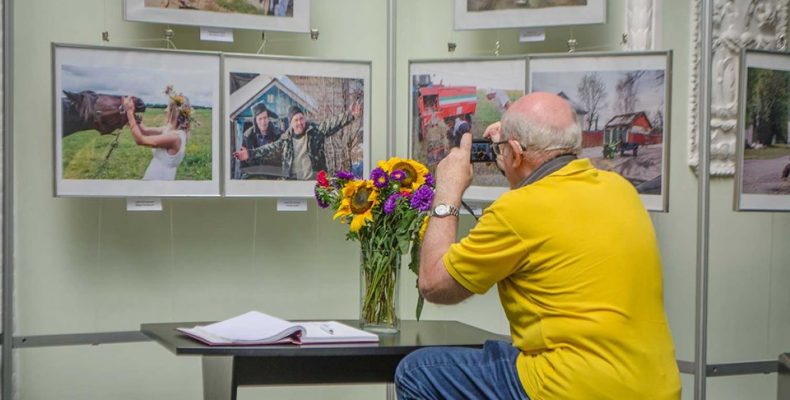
[
  {"x": 301, "y": 147},
  {"x": 263, "y": 130},
  {"x": 575, "y": 260}
]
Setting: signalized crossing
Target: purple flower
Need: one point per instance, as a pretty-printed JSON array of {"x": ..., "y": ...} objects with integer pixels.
[
  {"x": 391, "y": 203},
  {"x": 422, "y": 198},
  {"x": 379, "y": 178},
  {"x": 429, "y": 180},
  {"x": 345, "y": 175},
  {"x": 398, "y": 175},
  {"x": 321, "y": 202}
]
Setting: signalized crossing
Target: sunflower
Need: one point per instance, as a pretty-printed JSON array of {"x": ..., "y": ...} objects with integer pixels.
[
  {"x": 415, "y": 172},
  {"x": 359, "y": 198}
]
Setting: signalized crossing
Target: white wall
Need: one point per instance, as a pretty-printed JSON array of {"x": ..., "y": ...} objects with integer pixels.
[{"x": 88, "y": 265}]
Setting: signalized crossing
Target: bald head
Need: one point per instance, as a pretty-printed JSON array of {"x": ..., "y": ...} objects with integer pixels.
[
  {"x": 543, "y": 122},
  {"x": 546, "y": 109}
]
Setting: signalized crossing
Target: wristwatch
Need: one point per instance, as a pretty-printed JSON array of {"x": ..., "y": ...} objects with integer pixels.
[{"x": 444, "y": 210}]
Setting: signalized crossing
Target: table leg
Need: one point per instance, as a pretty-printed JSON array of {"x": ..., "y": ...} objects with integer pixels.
[
  {"x": 784, "y": 376},
  {"x": 218, "y": 382},
  {"x": 391, "y": 395}
]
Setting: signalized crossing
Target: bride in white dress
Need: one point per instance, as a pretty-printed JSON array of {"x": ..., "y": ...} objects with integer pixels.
[{"x": 167, "y": 142}]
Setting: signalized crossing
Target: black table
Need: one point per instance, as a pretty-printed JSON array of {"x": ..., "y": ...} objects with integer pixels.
[{"x": 225, "y": 368}]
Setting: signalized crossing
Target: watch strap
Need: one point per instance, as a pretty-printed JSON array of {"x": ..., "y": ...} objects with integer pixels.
[{"x": 453, "y": 210}]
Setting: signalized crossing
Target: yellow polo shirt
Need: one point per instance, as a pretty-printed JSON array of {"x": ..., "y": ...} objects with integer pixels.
[{"x": 578, "y": 269}]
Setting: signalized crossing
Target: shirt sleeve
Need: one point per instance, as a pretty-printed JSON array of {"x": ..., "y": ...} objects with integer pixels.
[{"x": 490, "y": 253}]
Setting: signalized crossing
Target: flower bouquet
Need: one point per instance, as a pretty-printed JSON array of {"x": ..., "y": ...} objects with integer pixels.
[{"x": 387, "y": 215}]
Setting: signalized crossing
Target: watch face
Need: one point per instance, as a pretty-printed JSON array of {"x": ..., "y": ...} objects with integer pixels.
[{"x": 442, "y": 209}]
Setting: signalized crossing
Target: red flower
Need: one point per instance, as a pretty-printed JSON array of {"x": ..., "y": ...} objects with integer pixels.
[
  {"x": 405, "y": 193},
  {"x": 321, "y": 178}
]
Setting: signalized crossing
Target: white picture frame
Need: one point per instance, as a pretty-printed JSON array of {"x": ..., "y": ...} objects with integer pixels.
[
  {"x": 593, "y": 12},
  {"x": 637, "y": 149},
  {"x": 761, "y": 174},
  {"x": 87, "y": 163},
  {"x": 297, "y": 21},
  {"x": 323, "y": 89},
  {"x": 433, "y": 120}
]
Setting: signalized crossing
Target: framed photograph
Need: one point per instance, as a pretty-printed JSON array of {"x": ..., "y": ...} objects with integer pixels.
[
  {"x": 262, "y": 15},
  {"x": 134, "y": 122},
  {"x": 286, "y": 119},
  {"x": 762, "y": 178},
  {"x": 451, "y": 97},
  {"x": 622, "y": 102},
  {"x": 496, "y": 14}
]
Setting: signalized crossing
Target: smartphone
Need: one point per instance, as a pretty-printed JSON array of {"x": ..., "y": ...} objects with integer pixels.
[{"x": 482, "y": 151}]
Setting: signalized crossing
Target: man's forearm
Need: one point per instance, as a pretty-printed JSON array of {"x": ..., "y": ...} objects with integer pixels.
[{"x": 435, "y": 283}]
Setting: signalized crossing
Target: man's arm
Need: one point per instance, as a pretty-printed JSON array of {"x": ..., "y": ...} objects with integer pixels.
[
  {"x": 453, "y": 176},
  {"x": 335, "y": 124},
  {"x": 270, "y": 151}
]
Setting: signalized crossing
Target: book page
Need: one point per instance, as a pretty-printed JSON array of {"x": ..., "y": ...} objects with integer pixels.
[{"x": 253, "y": 326}]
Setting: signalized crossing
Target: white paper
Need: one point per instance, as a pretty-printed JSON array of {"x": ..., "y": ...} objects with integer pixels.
[
  {"x": 143, "y": 204},
  {"x": 532, "y": 35},
  {"x": 291, "y": 205},
  {"x": 216, "y": 34}
]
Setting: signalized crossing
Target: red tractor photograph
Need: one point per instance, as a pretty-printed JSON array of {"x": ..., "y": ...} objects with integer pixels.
[{"x": 437, "y": 102}]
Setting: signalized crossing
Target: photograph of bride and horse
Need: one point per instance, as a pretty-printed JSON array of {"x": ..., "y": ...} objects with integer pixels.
[{"x": 97, "y": 140}]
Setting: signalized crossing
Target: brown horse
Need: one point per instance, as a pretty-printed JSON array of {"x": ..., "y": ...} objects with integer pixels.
[{"x": 88, "y": 110}]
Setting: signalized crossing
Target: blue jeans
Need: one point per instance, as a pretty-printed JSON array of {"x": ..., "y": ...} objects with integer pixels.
[{"x": 460, "y": 373}]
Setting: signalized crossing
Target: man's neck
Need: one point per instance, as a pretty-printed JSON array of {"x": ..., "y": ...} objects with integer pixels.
[{"x": 541, "y": 165}]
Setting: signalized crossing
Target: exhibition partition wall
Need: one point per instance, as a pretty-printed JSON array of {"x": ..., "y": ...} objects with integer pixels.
[{"x": 88, "y": 271}]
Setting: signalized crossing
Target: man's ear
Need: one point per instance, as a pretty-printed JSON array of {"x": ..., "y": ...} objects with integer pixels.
[{"x": 518, "y": 155}]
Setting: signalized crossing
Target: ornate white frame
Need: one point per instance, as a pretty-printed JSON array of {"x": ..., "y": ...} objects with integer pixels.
[
  {"x": 642, "y": 25},
  {"x": 756, "y": 24}
]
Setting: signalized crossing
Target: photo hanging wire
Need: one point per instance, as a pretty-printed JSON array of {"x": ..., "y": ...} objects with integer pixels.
[
  {"x": 263, "y": 43},
  {"x": 314, "y": 33},
  {"x": 573, "y": 45},
  {"x": 452, "y": 45},
  {"x": 169, "y": 35},
  {"x": 105, "y": 35},
  {"x": 497, "y": 46}
]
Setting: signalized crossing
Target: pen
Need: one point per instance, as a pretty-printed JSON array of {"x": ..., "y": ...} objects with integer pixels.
[{"x": 326, "y": 328}]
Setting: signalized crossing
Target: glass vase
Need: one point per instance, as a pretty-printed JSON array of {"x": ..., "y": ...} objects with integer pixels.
[{"x": 379, "y": 279}]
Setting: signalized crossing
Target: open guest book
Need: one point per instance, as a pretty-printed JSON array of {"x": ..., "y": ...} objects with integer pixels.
[{"x": 256, "y": 328}]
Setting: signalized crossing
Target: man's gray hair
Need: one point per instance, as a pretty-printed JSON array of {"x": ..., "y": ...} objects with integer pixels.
[{"x": 541, "y": 137}]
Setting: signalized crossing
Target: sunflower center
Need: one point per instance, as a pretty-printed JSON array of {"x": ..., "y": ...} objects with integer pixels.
[
  {"x": 409, "y": 172},
  {"x": 359, "y": 202}
]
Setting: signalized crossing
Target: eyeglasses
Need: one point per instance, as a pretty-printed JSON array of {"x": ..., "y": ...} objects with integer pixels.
[{"x": 498, "y": 152}]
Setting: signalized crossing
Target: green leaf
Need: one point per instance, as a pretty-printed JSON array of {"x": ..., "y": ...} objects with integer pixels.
[
  {"x": 420, "y": 302},
  {"x": 403, "y": 244},
  {"x": 414, "y": 263}
]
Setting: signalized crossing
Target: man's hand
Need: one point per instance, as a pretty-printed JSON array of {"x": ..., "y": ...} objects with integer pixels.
[
  {"x": 242, "y": 154},
  {"x": 494, "y": 132},
  {"x": 454, "y": 173}
]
